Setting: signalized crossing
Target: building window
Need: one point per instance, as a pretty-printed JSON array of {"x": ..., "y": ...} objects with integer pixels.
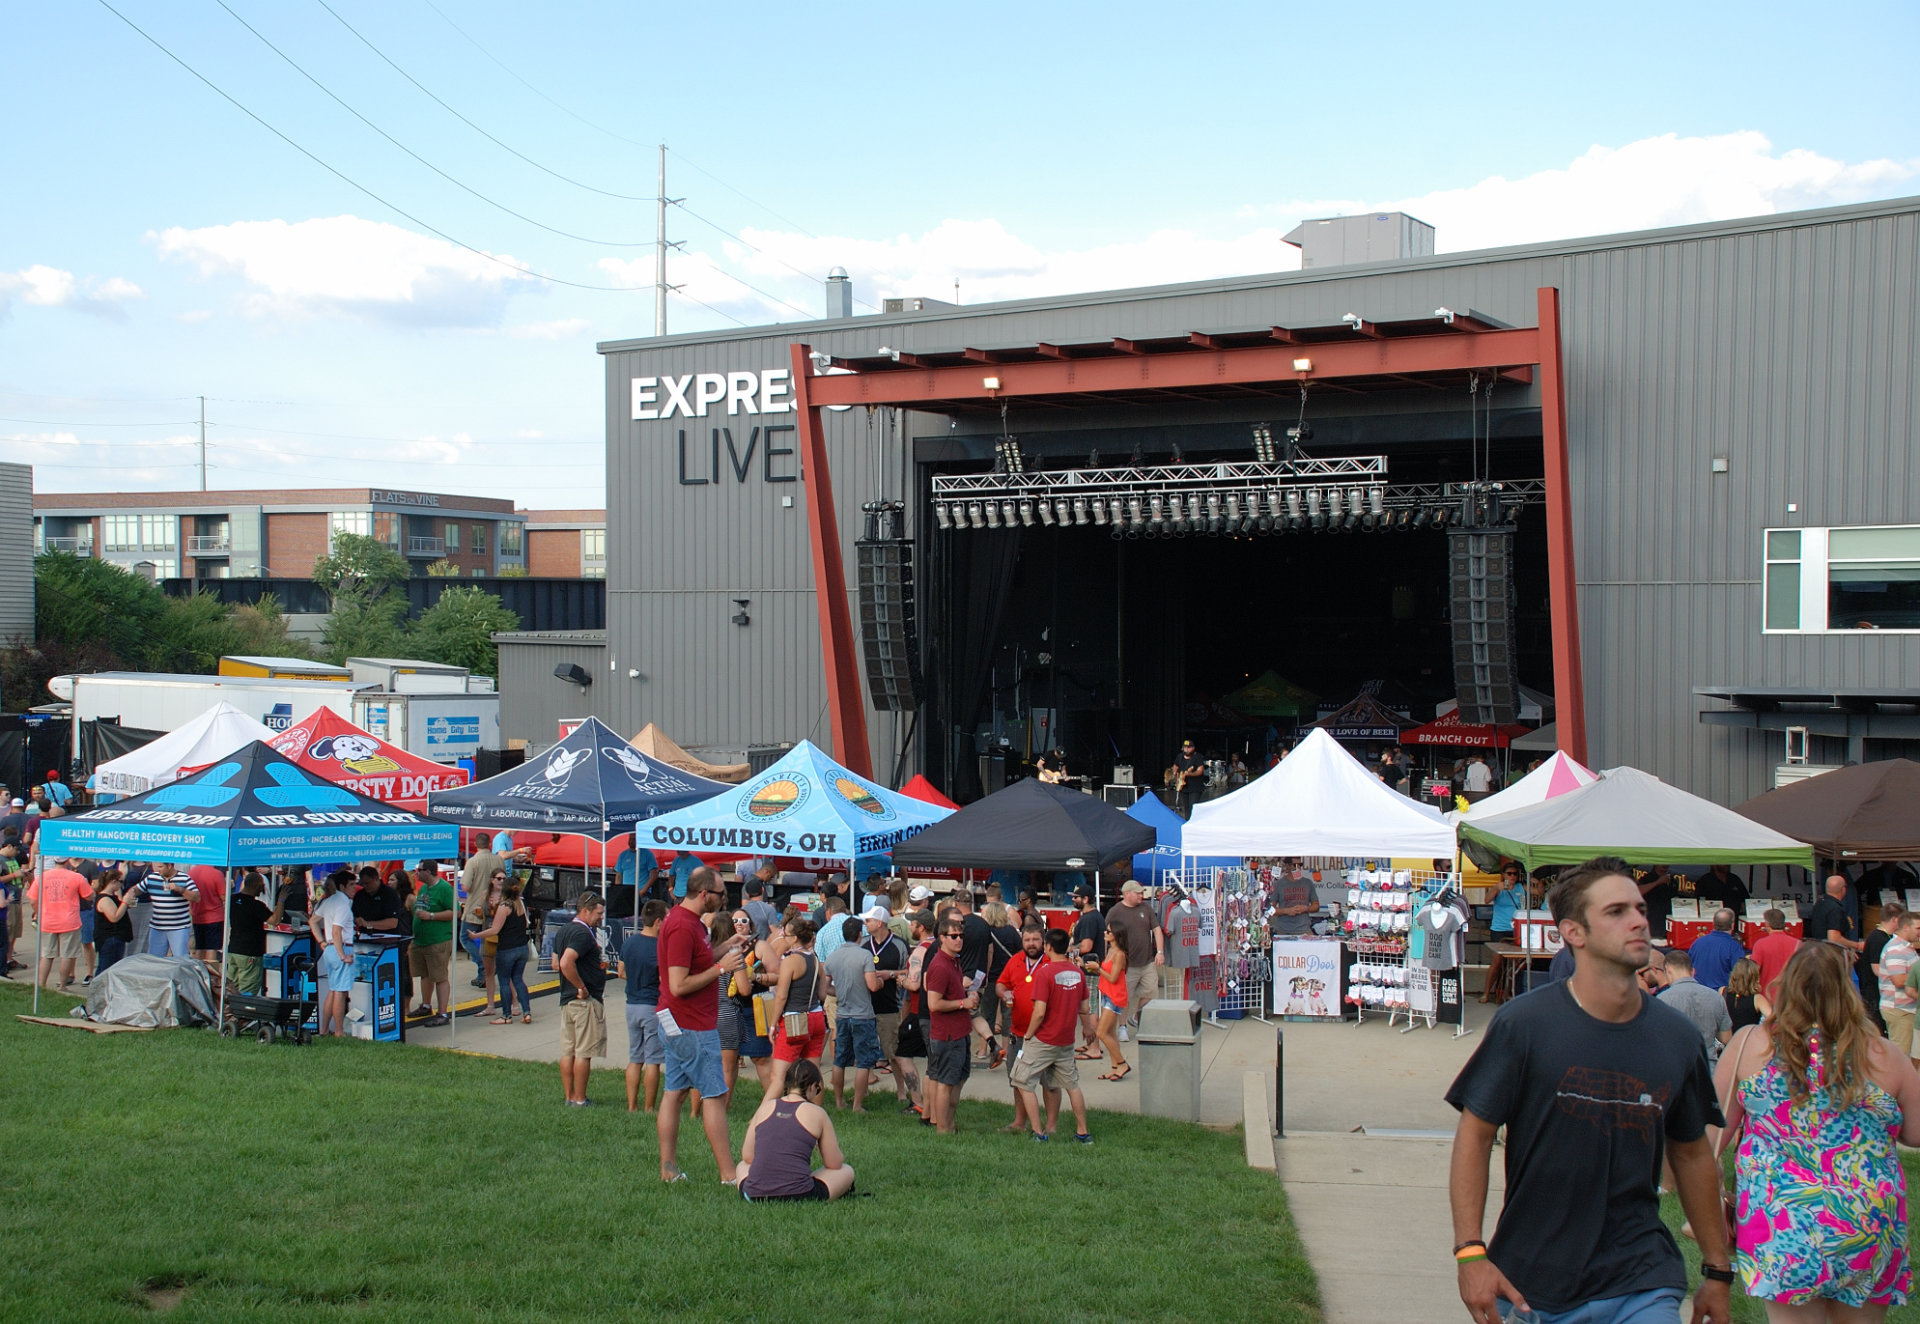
[
  {"x": 351, "y": 521},
  {"x": 593, "y": 553},
  {"x": 122, "y": 532},
  {"x": 479, "y": 540},
  {"x": 453, "y": 538},
  {"x": 511, "y": 536},
  {"x": 159, "y": 533},
  {"x": 1833, "y": 579}
]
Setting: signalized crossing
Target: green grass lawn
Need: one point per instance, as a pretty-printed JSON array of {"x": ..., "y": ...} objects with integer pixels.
[
  {"x": 403, "y": 1183},
  {"x": 1748, "y": 1311}
]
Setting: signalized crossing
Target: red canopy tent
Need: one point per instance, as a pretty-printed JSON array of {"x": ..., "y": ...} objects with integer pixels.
[
  {"x": 1448, "y": 729},
  {"x": 921, "y": 789},
  {"x": 328, "y": 744}
]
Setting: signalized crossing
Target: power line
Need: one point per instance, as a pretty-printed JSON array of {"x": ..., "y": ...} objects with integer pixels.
[
  {"x": 715, "y": 225},
  {"x": 704, "y": 304},
  {"x": 357, "y": 436},
  {"x": 627, "y": 197},
  {"x": 755, "y": 201},
  {"x": 466, "y": 188},
  {"x": 52, "y": 423},
  {"x": 348, "y": 180}
]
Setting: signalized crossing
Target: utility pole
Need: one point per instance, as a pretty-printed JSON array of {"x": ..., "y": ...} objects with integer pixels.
[
  {"x": 203, "y": 443},
  {"x": 660, "y": 252}
]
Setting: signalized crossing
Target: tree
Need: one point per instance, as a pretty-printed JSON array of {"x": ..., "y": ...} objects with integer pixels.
[
  {"x": 513, "y": 572},
  {"x": 262, "y": 630},
  {"x": 443, "y": 569},
  {"x": 369, "y": 619},
  {"x": 360, "y": 564},
  {"x": 86, "y": 605},
  {"x": 458, "y": 630}
]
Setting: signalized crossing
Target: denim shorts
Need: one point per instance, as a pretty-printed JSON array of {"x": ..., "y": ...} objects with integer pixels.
[
  {"x": 693, "y": 1063},
  {"x": 86, "y": 925},
  {"x": 1658, "y": 1306},
  {"x": 337, "y": 973},
  {"x": 645, "y": 1044},
  {"x": 856, "y": 1043}
]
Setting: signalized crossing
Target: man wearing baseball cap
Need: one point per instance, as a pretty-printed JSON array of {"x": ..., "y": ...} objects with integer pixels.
[
  {"x": 889, "y": 958},
  {"x": 1145, "y": 946}
]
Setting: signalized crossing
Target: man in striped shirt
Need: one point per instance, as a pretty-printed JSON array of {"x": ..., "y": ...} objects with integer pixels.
[{"x": 170, "y": 930}]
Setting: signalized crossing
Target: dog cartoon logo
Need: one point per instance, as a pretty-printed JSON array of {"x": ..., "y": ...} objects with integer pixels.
[{"x": 354, "y": 753}]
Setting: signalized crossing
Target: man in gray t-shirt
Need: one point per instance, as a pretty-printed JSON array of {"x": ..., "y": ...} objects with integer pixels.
[
  {"x": 856, "y": 1035},
  {"x": 1698, "y": 1003},
  {"x": 1294, "y": 904}
]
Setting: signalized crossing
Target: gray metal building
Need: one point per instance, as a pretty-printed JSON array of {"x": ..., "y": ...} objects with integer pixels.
[{"x": 1721, "y": 381}]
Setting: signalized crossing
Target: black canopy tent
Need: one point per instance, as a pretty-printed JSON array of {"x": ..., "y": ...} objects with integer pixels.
[{"x": 1030, "y": 825}]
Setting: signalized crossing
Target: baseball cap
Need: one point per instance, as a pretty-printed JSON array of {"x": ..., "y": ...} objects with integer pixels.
[
  {"x": 920, "y": 893},
  {"x": 1131, "y": 886},
  {"x": 880, "y": 913},
  {"x": 1081, "y": 889},
  {"x": 924, "y": 918},
  {"x": 17, "y": 802}
]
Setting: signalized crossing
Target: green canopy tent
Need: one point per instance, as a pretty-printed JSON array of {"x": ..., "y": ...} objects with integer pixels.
[
  {"x": 1270, "y": 695},
  {"x": 1633, "y": 815}
]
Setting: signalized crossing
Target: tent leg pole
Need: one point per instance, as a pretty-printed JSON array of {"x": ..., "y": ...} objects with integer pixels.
[
  {"x": 39, "y": 926},
  {"x": 226, "y": 944}
]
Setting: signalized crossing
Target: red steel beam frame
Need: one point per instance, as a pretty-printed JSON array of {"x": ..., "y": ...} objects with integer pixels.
[
  {"x": 1271, "y": 364},
  {"x": 847, "y": 707},
  {"x": 1570, "y": 695}
]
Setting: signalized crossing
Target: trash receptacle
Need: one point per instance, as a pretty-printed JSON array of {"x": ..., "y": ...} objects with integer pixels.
[{"x": 1169, "y": 1039}]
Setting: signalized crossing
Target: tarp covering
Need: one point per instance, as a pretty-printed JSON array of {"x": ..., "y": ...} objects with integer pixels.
[
  {"x": 593, "y": 783},
  {"x": 1167, "y": 828},
  {"x": 328, "y": 744},
  {"x": 1448, "y": 729},
  {"x": 1030, "y": 825},
  {"x": 661, "y": 748},
  {"x": 921, "y": 789},
  {"x": 205, "y": 740},
  {"x": 1634, "y": 815},
  {"x": 253, "y": 807},
  {"x": 805, "y": 806},
  {"x": 1319, "y": 800},
  {"x": 1867, "y": 811},
  {"x": 1270, "y": 695},
  {"x": 152, "y": 992}
]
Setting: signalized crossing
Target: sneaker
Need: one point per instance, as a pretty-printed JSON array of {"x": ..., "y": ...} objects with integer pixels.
[
  {"x": 1083, "y": 1137},
  {"x": 1124, "y": 1036},
  {"x": 1039, "y": 1137}
]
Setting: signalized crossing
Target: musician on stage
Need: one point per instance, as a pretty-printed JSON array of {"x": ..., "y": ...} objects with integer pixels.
[
  {"x": 1051, "y": 767},
  {"x": 1187, "y": 776}
]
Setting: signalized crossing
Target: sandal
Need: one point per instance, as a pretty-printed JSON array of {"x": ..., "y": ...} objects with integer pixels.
[
  {"x": 1088, "y": 1057},
  {"x": 1121, "y": 1074},
  {"x": 501, "y": 1020},
  {"x": 527, "y": 1019}
]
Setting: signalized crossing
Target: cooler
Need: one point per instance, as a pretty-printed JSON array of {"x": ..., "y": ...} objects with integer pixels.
[
  {"x": 1685, "y": 932},
  {"x": 1752, "y": 931},
  {"x": 285, "y": 944},
  {"x": 374, "y": 1004},
  {"x": 1535, "y": 931}
]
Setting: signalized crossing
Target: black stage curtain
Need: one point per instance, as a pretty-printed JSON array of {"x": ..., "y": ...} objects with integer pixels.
[
  {"x": 980, "y": 567},
  {"x": 1157, "y": 637}
]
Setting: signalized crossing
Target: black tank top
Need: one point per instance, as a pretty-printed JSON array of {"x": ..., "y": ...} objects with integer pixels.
[
  {"x": 1741, "y": 1010},
  {"x": 513, "y": 932},
  {"x": 121, "y": 928},
  {"x": 800, "y": 992}
]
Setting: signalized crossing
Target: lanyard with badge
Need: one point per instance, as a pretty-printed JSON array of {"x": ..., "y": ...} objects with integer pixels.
[{"x": 1033, "y": 964}]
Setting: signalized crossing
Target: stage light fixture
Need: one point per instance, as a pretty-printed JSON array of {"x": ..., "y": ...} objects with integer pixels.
[
  {"x": 993, "y": 514},
  {"x": 1354, "y": 497},
  {"x": 1424, "y": 518},
  {"x": 1046, "y": 512},
  {"x": 1009, "y": 512},
  {"x": 1079, "y": 510},
  {"x": 1404, "y": 521},
  {"x": 1314, "y": 517},
  {"x": 940, "y": 514},
  {"x": 1063, "y": 511},
  {"x": 1353, "y": 517},
  {"x": 1134, "y": 509},
  {"x": 1099, "y": 511},
  {"x": 1157, "y": 513},
  {"x": 1026, "y": 513},
  {"x": 1376, "y": 499},
  {"x": 1233, "y": 505},
  {"x": 1293, "y": 503},
  {"x": 1440, "y": 516},
  {"x": 975, "y": 516},
  {"x": 1196, "y": 511},
  {"x": 1335, "y": 500}
]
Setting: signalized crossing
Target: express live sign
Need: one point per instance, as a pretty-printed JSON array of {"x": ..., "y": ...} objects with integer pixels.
[{"x": 695, "y": 394}]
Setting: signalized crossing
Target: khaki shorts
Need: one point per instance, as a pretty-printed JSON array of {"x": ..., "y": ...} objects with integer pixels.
[
  {"x": 1143, "y": 986},
  {"x": 434, "y": 963},
  {"x": 888, "y": 1028},
  {"x": 1899, "y": 1027},
  {"x": 583, "y": 1029},
  {"x": 60, "y": 946},
  {"x": 1045, "y": 1067}
]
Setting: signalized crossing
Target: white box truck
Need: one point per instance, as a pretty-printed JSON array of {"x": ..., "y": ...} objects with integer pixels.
[
  {"x": 161, "y": 701},
  {"x": 401, "y": 675},
  {"x": 441, "y": 727}
]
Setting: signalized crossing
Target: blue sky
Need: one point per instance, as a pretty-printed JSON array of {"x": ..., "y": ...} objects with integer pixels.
[{"x": 157, "y": 244}]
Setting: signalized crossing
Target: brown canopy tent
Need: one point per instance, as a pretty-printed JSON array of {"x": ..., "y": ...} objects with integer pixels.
[
  {"x": 659, "y": 746},
  {"x": 1866, "y": 811}
]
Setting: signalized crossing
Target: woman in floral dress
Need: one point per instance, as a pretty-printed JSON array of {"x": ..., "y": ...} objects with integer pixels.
[{"x": 1821, "y": 1195}]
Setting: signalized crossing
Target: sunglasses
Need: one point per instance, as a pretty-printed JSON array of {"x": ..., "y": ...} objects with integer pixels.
[{"x": 741, "y": 919}]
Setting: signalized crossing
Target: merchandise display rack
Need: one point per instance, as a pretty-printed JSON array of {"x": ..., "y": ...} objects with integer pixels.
[{"x": 1242, "y": 964}]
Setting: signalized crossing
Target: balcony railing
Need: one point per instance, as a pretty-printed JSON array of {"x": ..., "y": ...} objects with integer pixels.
[
  {"x": 426, "y": 546},
  {"x": 78, "y": 546},
  {"x": 201, "y": 543}
]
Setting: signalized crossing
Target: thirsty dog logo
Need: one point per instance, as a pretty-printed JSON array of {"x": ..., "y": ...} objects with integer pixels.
[
  {"x": 775, "y": 798},
  {"x": 359, "y": 754}
]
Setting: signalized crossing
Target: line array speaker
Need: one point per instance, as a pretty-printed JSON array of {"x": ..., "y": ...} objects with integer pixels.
[
  {"x": 1480, "y": 569},
  {"x": 889, "y": 642}
]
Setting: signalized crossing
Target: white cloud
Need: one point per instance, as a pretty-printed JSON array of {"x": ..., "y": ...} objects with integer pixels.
[
  {"x": 49, "y": 287},
  {"x": 65, "y": 461},
  {"x": 349, "y": 266},
  {"x": 1660, "y": 181},
  {"x": 565, "y": 328}
]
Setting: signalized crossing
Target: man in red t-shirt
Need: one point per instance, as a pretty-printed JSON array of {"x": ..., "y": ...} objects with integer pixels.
[
  {"x": 690, "y": 974},
  {"x": 1046, "y": 1058},
  {"x": 1016, "y": 988},
  {"x": 209, "y": 912},
  {"x": 950, "y": 1007},
  {"x": 1772, "y": 950},
  {"x": 58, "y": 916}
]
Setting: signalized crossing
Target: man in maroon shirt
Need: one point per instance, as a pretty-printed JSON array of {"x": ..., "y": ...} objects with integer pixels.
[
  {"x": 950, "y": 1007},
  {"x": 1046, "y": 1058},
  {"x": 690, "y": 972}
]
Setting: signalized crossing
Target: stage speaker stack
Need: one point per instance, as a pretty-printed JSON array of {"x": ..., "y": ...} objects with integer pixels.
[
  {"x": 1480, "y": 569},
  {"x": 888, "y": 639}
]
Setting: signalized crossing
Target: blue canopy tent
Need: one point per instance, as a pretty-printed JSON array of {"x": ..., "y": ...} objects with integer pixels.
[
  {"x": 254, "y": 807},
  {"x": 1164, "y": 857},
  {"x": 592, "y": 784},
  {"x": 806, "y": 806}
]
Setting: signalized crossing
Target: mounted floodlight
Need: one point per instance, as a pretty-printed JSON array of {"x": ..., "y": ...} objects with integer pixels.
[
  {"x": 940, "y": 514},
  {"x": 1135, "y": 507},
  {"x": 1293, "y": 503},
  {"x": 975, "y": 516},
  {"x": 1099, "y": 511},
  {"x": 993, "y": 514},
  {"x": 1376, "y": 499},
  {"x": 1233, "y": 506},
  {"x": 1334, "y": 502},
  {"x": 1079, "y": 510},
  {"x": 991, "y": 383},
  {"x": 1063, "y": 511},
  {"x": 1444, "y": 314},
  {"x": 1009, "y": 511},
  {"x": 1424, "y": 518},
  {"x": 1026, "y": 513},
  {"x": 1314, "y": 517},
  {"x": 1157, "y": 508},
  {"x": 1046, "y": 512},
  {"x": 1303, "y": 365}
]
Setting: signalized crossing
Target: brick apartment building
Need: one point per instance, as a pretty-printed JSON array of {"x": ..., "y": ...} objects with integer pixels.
[
  {"x": 266, "y": 533},
  {"x": 566, "y": 544}
]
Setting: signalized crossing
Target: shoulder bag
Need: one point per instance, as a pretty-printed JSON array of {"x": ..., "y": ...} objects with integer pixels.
[{"x": 794, "y": 1023}]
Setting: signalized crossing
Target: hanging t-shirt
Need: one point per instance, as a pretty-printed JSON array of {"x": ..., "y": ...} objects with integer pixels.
[
  {"x": 1183, "y": 936},
  {"x": 1588, "y": 1106},
  {"x": 1444, "y": 929}
]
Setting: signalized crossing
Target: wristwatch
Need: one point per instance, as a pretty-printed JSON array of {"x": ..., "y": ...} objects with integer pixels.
[{"x": 1717, "y": 1273}]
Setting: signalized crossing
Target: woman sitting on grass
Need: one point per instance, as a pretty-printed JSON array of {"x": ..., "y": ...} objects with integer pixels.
[{"x": 776, "y": 1161}]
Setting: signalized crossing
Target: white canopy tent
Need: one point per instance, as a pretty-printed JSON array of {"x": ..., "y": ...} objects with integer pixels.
[
  {"x": 1558, "y": 775},
  {"x": 1319, "y": 800},
  {"x": 211, "y": 736}
]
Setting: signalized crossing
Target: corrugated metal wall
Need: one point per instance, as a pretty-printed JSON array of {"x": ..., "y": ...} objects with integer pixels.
[
  {"x": 1787, "y": 345},
  {"x": 533, "y": 701},
  {"x": 16, "y": 554}
]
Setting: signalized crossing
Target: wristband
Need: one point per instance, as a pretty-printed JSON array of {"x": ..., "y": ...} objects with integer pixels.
[
  {"x": 1470, "y": 1256},
  {"x": 1717, "y": 1274},
  {"x": 1475, "y": 1242}
]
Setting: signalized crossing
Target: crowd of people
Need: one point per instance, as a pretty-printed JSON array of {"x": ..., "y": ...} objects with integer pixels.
[{"x": 1645, "y": 1064}]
